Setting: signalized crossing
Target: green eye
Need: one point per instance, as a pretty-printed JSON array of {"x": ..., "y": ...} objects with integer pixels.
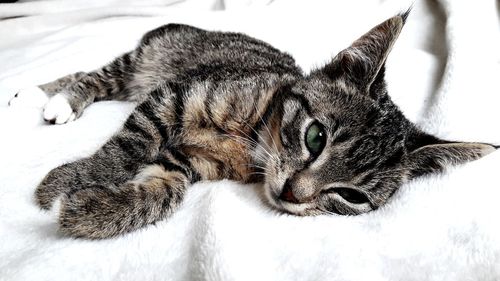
[{"x": 315, "y": 138}]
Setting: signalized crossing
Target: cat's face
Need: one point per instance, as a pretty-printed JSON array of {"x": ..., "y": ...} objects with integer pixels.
[
  {"x": 336, "y": 150},
  {"x": 339, "y": 144}
]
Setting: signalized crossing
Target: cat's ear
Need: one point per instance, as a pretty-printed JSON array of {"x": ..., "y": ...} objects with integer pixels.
[
  {"x": 430, "y": 154},
  {"x": 362, "y": 63}
]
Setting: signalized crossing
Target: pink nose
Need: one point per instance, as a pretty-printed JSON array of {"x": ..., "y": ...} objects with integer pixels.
[{"x": 287, "y": 194}]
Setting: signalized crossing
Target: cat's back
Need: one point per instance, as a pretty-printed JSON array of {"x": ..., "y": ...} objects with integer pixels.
[{"x": 191, "y": 53}]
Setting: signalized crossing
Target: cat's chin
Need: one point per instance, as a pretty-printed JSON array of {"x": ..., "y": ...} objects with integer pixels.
[{"x": 298, "y": 210}]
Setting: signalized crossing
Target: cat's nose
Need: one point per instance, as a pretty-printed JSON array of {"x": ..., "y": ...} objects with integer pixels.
[{"x": 287, "y": 193}]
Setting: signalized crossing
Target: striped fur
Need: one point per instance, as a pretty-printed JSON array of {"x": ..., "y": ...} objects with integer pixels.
[{"x": 215, "y": 105}]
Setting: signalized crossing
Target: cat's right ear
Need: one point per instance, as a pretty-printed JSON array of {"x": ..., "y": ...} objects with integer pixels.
[
  {"x": 428, "y": 154},
  {"x": 362, "y": 63}
]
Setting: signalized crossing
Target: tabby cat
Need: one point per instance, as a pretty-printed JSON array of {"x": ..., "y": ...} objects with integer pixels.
[{"x": 217, "y": 105}]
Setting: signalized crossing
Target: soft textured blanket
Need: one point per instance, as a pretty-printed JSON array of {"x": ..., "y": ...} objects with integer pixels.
[{"x": 444, "y": 73}]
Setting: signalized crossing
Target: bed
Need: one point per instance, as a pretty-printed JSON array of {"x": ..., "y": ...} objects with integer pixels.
[{"x": 443, "y": 73}]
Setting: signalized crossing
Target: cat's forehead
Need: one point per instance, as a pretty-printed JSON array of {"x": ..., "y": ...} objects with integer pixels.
[{"x": 336, "y": 99}]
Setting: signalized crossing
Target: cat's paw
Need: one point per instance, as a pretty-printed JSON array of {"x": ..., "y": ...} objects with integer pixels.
[
  {"x": 92, "y": 213},
  {"x": 55, "y": 184},
  {"x": 31, "y": 97},
  {"x": 58, "y": 110}
]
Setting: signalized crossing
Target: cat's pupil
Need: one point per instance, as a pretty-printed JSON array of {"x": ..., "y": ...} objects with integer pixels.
[
  {"x": 315, "y": 138},
  {"x": 352, "y": 195}
]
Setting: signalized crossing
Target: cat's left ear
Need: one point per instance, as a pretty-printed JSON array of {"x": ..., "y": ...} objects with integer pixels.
[
  {"x": 428, "y": 154},
  {"x": 361, "y": 63}
]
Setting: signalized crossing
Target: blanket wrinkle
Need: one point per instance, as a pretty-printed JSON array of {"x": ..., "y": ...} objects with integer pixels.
[{"x": 443, "y": 73}]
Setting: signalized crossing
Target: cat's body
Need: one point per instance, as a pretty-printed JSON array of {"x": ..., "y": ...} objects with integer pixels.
[{"x": 216, "y": 105}]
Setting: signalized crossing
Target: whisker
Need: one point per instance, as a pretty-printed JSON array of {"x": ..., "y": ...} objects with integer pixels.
[
  {"x": 326, "y": 211},
  {"x": 260, "y": 137},
  {"x": 241, "y": 139},
  {"x": 249, "y": 142},
  {"x": 253, "y": 166},
  {"x": 265, "y": 125},
  {"x": 257, "y": 144},
  {"x": 258, "y": 173}
]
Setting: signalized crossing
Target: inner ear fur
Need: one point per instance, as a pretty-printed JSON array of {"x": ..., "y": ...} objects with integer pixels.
[
  {"x": 438, "y": 154},
  {"x": 361, "y": 62}
]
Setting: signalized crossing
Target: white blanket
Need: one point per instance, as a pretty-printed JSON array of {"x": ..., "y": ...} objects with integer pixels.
[{"x": 443, "y": 73}]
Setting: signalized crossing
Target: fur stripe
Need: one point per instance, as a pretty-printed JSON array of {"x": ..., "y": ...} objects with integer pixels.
[
  {"x": 276, "y": 102},
  {"x": 179, "y": 156},
  {"x": 208, "y": 109},
  {"x": 179, "y": 90},
  {"x": 132, "y": 125},
  {"x": 169, "y": 165},
  {"x": 147, "y": 109},
  {"x": 303, "y": 101},
  {"x": 134, "y": 148}
]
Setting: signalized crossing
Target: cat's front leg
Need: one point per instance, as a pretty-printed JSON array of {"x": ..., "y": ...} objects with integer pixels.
[
  {"x": 40, "y": 95},
  {"x": 99, "y": 211},
  {"x": 58, "y": 106},
  {"x": 135, "y": 179},
  {"x": 57, "y": 182},
  {"x": 111, "y": 165},
  {"x": 117, "y": 161},
  {"x": 67, "y": 97}
]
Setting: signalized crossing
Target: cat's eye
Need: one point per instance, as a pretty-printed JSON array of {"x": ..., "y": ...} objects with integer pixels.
[
  {"x": 315, "y": 138},
  {"x": 351, "y": 195}
]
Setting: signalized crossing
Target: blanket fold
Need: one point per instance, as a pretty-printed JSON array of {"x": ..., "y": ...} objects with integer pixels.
[{"x": 443, "y": 73}]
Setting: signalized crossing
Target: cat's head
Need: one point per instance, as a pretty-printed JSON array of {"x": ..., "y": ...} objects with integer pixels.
[{"x": 340, "y": 144}]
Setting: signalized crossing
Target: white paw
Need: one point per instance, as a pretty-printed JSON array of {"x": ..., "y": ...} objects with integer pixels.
[
  {"x": 58, "y": 110},
  {"x": 30, "y": 96}
]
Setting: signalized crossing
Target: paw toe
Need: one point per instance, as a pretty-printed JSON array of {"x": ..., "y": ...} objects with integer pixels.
[
  {"x": 83, "y": 215},
  {"x": 42, "y": 198},
  {"x": 54, "y": 185},
  {"x": 46, "y": 193},
  {"x": 30, "y": 96},
  {"x": 58, "y": 110}
]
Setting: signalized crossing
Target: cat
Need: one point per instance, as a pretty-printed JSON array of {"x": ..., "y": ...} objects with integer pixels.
[{"x": 219, "y": 105}]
